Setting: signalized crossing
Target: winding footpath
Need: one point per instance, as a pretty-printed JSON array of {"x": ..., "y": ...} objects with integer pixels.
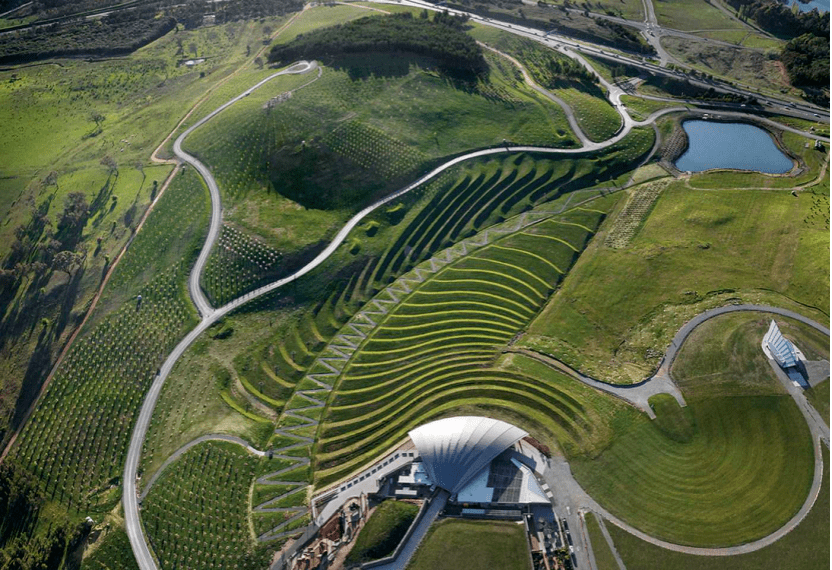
[
  {"x": 211, "y": 315},
  {"x": 559, "y": 476}
]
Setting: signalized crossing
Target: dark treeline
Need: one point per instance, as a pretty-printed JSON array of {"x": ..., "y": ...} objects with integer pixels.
[
  {"x": 686, "y": 89},
  {"x": 123, "y": 31},
  {"x": 23, "y": 546},
  {"x": 779, "y": 18},
  {"x": 117, "y": 34},
  {"x": 807, "y": 60},
  {"x": 441, "y": 39}
]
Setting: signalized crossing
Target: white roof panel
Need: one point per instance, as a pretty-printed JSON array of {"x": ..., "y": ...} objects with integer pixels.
[
  {"x": 455, "y": 449},
  {"x": 781, "y": 349}
]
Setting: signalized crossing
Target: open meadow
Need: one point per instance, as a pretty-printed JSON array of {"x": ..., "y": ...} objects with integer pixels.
[{"x": 693, "y": 249}]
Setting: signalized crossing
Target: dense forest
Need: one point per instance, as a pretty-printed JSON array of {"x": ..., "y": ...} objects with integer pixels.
[
  {"x": 442, "y": 39},
  {"x": 26, "y": 542},
  {"x": 807, "y": 60},
  {"x": 781, "y": 20}
]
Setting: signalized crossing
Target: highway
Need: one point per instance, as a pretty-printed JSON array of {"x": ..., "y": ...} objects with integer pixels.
[{"x": 569, "y": 46}]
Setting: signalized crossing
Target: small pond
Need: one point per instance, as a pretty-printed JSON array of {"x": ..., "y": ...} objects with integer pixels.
[
  {"x": 821, "y": 5},
  {"x": 742, "y": 146}
]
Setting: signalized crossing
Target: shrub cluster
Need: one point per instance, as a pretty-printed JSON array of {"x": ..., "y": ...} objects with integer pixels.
[{"x": 442, "y": 39}]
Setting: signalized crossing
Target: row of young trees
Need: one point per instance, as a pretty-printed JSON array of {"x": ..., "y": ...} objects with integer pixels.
[{"x": 442, "y": 39}]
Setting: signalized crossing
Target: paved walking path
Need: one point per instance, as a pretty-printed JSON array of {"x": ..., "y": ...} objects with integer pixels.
[
  {"x": 211, "y": 315},
  {"x": 559, "y": 476}
]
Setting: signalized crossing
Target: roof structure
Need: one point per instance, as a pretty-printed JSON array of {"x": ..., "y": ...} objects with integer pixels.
[
  {"x": 454, "y": 450},
  {"x": 781, "y": 349}
]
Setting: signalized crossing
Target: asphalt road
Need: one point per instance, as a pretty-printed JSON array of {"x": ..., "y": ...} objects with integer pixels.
[
  {"x": 568, "y": 493},
  {"x": 556, "y": 41},
  {"x": 209, "y": 315},
  {"x": 199, "y": 299}
]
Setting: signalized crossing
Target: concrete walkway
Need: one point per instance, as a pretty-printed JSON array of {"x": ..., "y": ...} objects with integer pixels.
[{"x": 437, "y": 503}]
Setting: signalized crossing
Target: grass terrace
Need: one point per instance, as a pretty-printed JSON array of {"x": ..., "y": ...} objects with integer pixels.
[
  {"x": 436, "y": 348},
  {"x": 454, "y": 543}
]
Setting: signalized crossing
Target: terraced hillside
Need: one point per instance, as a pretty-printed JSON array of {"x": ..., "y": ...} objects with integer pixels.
[{"x": 435, "y": 349}]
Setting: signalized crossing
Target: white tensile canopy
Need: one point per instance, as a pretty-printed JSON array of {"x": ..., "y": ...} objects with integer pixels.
[
  {"x": 455, "y": 449},
  {"x": 781, "y": 349}
]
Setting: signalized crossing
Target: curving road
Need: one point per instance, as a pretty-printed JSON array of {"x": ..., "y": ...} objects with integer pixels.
[
  {"x": 199, "y": 299},
  {"x": 559, "y": 476},
  {"x": 210, "y": 315}
]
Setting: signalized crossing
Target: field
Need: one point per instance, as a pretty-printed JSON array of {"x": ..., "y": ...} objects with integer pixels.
[
  {"x": 748, "y": 66},
  {"x": 106, "y": 373},
  {"x": 383, "y": 531},
  {"x": 197, "y": 513},
  {"x": 453, "y": 544},
  {"x": 693, "y": 466},
  {"x": 694, "y": 15},
  {"x": 695, "y": 250},
  {"x": 604, "y": 558},
  {"x": 807, "y": 546}
]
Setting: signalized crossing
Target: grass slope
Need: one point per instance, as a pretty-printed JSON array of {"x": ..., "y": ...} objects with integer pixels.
[
  {"x": 604, "y": 558},
  {"x": 619, "y": 308},
  {"x": 453, "y": 544},
  {"x": 383, "y": 531},
  {"x": 807, "y": 546},
  {"x": 732, "y": 467}
]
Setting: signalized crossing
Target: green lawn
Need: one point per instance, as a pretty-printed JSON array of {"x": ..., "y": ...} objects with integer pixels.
[
  {"x": 693, "y": 15},
  {"x": 453, "y": 544},
  {"x": 604, "y": 559},
  {"x": 618, "y": 309},
  {"x": 724, "y": 353},
  {"x": 731, "y": 467},
  {"x": 383, "y": 531},
  {"x": 807, "y": 546}
]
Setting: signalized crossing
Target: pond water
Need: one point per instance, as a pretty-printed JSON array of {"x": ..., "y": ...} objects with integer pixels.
[
  {"x": 731, "y": 145},
  {"x": 821, "y": 5}
]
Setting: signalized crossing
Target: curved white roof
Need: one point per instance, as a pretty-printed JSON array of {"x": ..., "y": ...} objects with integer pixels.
[
  {"x": 781, "y": 349},
  {"x": 455, "y": 449}
]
